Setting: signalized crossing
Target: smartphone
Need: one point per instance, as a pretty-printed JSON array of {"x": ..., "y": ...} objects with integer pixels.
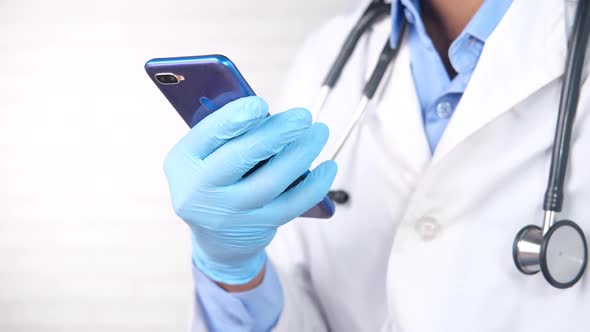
[{"x": 199, "y": 85}]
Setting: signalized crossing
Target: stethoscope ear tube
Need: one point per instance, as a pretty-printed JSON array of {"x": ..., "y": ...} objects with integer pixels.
[
  {"x": 386, "y": 56},
  {"x": 376, "y": 10}
]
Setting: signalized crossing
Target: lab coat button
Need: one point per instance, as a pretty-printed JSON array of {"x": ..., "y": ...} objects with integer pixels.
[
  {"x": 428, "y": 228},
  {"x": 444, "y": 110}
]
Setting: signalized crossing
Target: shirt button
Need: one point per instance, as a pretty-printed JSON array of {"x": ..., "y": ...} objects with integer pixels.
[
  {"x": 444, "y": 110},
  {"x": 409, "y": 16},
  {"x": 428, "y": 228}
]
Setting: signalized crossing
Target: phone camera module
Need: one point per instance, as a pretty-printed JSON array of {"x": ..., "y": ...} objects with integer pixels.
[{"x": 168, "y": 78}]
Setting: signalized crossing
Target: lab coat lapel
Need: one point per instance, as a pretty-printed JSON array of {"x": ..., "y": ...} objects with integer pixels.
[
  {"x": 394, "y": 120},
  {"x": 525, "y": 52},
  {"x": 400, "y": 118}
]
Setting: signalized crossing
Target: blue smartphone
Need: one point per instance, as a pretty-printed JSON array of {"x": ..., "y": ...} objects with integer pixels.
[{"x": 199, "y": 85}]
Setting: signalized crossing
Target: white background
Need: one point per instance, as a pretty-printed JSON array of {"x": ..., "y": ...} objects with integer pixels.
[{"x": 88, "y": 241}]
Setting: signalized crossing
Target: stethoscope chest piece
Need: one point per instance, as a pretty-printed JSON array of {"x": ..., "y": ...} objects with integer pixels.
[
  {"x": 561, "y": 254},
  {"x": 527, "y": 248}
]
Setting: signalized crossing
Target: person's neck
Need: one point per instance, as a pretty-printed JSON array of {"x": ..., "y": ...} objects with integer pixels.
[{"x": 444, "y": 21}]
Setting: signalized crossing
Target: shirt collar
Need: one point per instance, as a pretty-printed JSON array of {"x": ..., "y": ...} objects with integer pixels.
[
  {"x": 480, "y": 26},
  {"x": 398, "y": 16},
  {"x": 486, "y": 19}
]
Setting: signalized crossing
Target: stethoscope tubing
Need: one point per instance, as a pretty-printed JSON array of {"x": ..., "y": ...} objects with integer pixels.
[
  {"x": 376, "y": 10},
  {"x": 387, "y": 55},
  {"x": 568, "y": 105}
]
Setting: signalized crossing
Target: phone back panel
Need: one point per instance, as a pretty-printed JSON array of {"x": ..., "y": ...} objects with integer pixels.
[{"x": 213, "y": 81}]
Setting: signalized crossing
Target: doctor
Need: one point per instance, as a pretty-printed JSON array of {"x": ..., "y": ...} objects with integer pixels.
[{"x": 449, "y": 162}]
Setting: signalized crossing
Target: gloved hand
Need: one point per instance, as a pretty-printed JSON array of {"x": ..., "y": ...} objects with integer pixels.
[{"x": 233, "y": 218}]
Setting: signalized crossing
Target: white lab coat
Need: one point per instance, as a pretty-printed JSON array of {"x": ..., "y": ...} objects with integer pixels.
[{"x": 425, "y": 242}]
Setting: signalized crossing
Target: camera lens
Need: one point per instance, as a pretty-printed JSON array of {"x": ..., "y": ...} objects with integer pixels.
[{"x": 166, "y": 78}]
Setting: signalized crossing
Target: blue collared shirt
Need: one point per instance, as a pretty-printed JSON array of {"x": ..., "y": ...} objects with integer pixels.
[{"x": 438, "y": 94}]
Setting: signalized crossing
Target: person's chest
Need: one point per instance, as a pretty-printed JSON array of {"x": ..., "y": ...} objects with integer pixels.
[{"x": 440, "y": 228}]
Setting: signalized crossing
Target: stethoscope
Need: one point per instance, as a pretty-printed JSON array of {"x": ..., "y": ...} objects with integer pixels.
[{"x": 558, "y": 249}]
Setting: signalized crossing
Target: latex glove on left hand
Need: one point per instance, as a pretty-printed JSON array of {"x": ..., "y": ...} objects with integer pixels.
[{"x": 232, "y": 218}]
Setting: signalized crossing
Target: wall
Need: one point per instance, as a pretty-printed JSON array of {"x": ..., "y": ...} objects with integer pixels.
[{"x": 88, "y": 241}]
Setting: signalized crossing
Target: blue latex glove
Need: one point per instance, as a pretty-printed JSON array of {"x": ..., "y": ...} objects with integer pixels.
[{"x": 233, "y": 218}]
